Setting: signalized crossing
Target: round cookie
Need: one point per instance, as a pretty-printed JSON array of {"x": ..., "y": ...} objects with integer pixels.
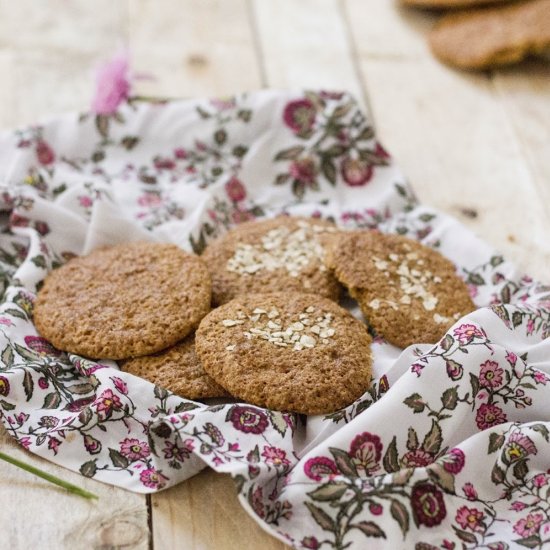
[
  {"x": 287, "y": 351},
  {"x": 409, "y": 293},
  {"x": 280, "y": 254},
  {"x": 479, "y": 39},
  {"x": 452, "y": 4},
  {"x": 177, "y": 369},
  {"x": 124, "y": 301}
]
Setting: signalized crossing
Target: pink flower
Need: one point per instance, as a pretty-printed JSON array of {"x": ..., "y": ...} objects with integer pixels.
[
  {"x": 466, "y": 333},
  {"x": 120, "y": 385},
  {"x": 454, "y": 461},
  {"x": 299, "y": 116},
  {"x": 519, "y": 446},
  {"x": 454, "y": 370},
  {"x": 530, "y": 327},
  {"x": 490, "y": 375},
  {"x": 43, "y": 383},
  {"x": 223, "y": 103},
  {"x": 44, "y": 153},
  {"x": 448, "y": 545},
  {"x": 366, "y": 451},
  {"x": 53, "y": 444},
  {"x": 134, "y": 449},
  {"x": 528, "y": 526},
  {"x": 469, "y": 491},
  {"x": 417, "y": 368},
  {"x": 85, "y": 201},
  {"x": 25, "y": 442},
  {"x": 417, "y": 459},
  {"x": 540, "y": 480},
  {"x": 92, "y": 445},
  {"x": 6, "y": 322},
  {"x": 470, "y": 518},
  {"x": 108, "y": 402},
  {"x": 356, "y": 172},
  {"x": 180, "y": 153},
  {"x": 275, "y": 456},
  {"x": 164, "y": 163},
  {"x": 113, "y": 85},
  {"x": 256, "y": 501},
  {"x": 149, "y": 200},
  {"x": 311, "y": 543},
  {"x": 4, "y": 386},
  {"x": 540, "y": 377},
  {"x": 179, "y": 451},
  {"x": 318, "y": 467},
  {"x": 512, "y": 358},
  {"x": 375, "y": 509},
  {"x": 41, "y": 346},
  {"x": 235, "y": 190},
  {"x": 518, "y": 506},
  {"x": 153, "y": 479},
  {"x": 304, "y": 170},
  {"x": 489, "y": 415},
  {"x": 473, "y": 290}
]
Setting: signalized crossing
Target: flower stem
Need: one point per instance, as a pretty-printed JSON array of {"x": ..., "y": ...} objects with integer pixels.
[{"x": 52, "y": 479}]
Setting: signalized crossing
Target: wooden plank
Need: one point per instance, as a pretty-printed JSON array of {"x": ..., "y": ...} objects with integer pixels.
[
  {"x": 53, "y": 49},
  {"x": 203, "y": 513},
  {"x": 450, "y": 134},
  {"x": 36, "y": 514},
  {"x": 47, "y": 53},
  {"x": 525, "y": 92},
  {"x": 305, "y": 45},
  {"x": 193, "y": 48}
]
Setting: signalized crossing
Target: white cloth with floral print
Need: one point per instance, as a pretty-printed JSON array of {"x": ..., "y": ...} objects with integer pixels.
[{"x": 449, "y": 447}]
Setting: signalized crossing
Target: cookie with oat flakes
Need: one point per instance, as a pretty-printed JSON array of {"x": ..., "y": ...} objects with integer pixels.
[
  {"x": 490, "y": 37},
  {"x": 409, "y": 293},
  {"x": 280, "y": 254},
  {"x": 176, "y": 369},
  {"x": 287, "y": 351},
  {"x": 123, "y": 301}
]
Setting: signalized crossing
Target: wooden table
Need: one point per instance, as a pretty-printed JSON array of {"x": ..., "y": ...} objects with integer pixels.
[{"x": 474, "y": 145}]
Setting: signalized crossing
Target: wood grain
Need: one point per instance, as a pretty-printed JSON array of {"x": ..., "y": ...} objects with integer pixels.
[
  {"x": 203, "y": 513},
  {"x": 193, "y": 48},
  {"x": 36, "y": 514}
]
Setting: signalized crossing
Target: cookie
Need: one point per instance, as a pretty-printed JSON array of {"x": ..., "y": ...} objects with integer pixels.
[
  {"x": 281, "y": 254},
  {"x": 287, "y": 351},
  {"x": 176, "y": 369},
  {"x": 125, "y": 301},
  {"x": 409, "y": 293},
  {"x": 479, "y": 39},
  {"x": 452, "y": 4}
]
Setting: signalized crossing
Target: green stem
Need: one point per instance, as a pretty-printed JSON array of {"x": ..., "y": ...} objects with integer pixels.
[{"x": 52, "y": 479}]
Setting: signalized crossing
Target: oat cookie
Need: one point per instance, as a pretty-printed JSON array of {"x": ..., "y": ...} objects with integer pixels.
[
  {"x": 408, "y": 292},
  {"x": 478, "y": 39},
  {"x": 287, "y": 351},
  {"x": 281, "y": 254},
  {"x": 125, "y": 301},
  {"x": 177, "y": 369},
  {"x": 452, "y": 4}
]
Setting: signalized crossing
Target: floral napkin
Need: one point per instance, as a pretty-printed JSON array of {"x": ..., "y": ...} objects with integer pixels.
[{"x": 450, "y": 446}]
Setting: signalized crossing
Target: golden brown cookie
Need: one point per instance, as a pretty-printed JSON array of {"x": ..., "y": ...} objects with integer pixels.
[
  {"x": 177, "y": 369},
  {"x": 125, "y": 301},
  {"x": 281, "y": 254},
  {"x": 451, "y": 4},
  {"x": 287, "y": 351},
  {"x": 409, "y": 293},
  {"x": 478, "y": 39}
]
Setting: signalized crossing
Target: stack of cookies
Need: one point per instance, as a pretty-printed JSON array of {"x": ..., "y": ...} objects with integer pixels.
[
  {"x": 276, "y": 337},
  {"x": 481, "y": 34}
]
